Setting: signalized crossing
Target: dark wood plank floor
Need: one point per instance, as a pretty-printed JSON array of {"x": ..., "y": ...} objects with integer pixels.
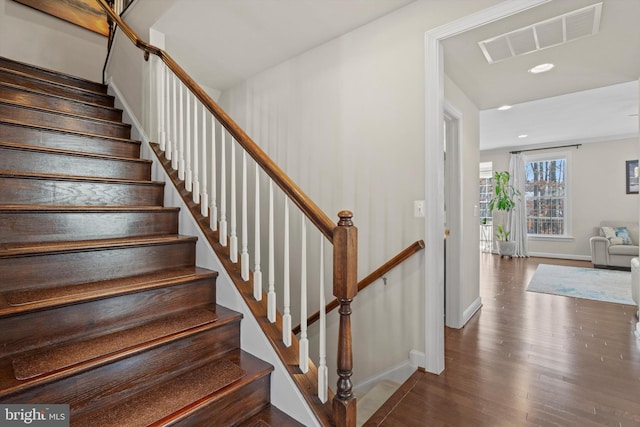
[{"x": 528, "y": 359}]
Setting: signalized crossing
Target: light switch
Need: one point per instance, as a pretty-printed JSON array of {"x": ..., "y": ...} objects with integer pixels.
[{"x": 418, "y": 208}]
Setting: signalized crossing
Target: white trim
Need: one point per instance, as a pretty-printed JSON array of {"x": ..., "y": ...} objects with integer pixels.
[
  {"x": 417, "y": 358},
  {"x": 549, "y": 237},
  {"x": 434, "y": 179},
  {"x": 471, "y": 310},
  {"x": 560, "y": 256},
  {"x": 399, "y": 374}
]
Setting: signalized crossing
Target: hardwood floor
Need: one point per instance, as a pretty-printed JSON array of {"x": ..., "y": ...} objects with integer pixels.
[{"x": 528, "y": 359}]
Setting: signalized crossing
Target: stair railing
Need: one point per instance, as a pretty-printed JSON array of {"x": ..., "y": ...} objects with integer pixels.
[
  {"x": 214, "y": 158},
  {"x": 378, "y": 273}
]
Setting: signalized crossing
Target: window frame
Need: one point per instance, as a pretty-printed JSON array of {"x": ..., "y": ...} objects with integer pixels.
[
  {"x": 486, "y": 172},
  {"x": 567, "y": 226}
]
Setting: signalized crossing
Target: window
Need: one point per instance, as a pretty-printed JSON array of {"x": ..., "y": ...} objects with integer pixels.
[
  {"x": 546, "y": 195},
  {"x": 486, "y": 191}
]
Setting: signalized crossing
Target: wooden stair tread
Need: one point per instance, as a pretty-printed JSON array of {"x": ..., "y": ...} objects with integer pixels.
[
  {"x": 9, "y": 385},
  {"x": 107, "y": 311},
  {"x": 50, "y": 176},
  {"x": 41, "y": 362},
  {"x": 77, "y": 89},
  {"x": 34, "y": 148},
  {"x": 43, "y": 208},
  {"x": 19, "y": 301},
  {"x": 34, "y": 69},
  {"x": 67, "y": 131},
  {"x": 25, "y": 106},
  {"x": 51, "y": 95},
  {"x": 39, "y": 248},
  {"x": 172, "y": 400}
]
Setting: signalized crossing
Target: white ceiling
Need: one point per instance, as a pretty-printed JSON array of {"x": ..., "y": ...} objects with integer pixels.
[
  {"x": 603, "y": 61},
  {"x": 258, "y": 34},
  {"x": 606, "y": 113},
  {"x": 244, "y": 37}
]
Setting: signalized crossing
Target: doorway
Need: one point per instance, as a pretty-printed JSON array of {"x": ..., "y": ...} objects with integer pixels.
[{"x": 434, "y": 185}]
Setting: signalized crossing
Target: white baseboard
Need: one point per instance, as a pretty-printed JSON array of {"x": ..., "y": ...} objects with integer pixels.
[
  {"x": 561, "y": 256},
  {"x": 399, "y": 374},
  {"x": 471, "y": 310},
  {"x": 418, "y": 358}
]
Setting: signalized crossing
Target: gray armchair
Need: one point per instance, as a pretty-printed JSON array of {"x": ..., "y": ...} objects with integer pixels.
[{"x": 604, "y": 254}]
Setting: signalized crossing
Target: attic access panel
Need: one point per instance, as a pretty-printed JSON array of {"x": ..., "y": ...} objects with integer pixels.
[{"x": 84, "y": 13}]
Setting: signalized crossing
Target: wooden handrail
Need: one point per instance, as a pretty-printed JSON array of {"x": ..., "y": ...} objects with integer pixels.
[
  {"x": 286, "y": 184},
  {"x": 375, "y": 275}
]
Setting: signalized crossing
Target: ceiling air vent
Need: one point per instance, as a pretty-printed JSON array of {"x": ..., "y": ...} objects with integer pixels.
[{"x": 542, "y": 35}]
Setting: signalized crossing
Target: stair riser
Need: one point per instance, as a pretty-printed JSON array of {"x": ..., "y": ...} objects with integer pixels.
[
  {"x": 64, "y": 164},
  {"x": 52, "y": 75},
  {"x": 57, "y": 269},
  {"x": 43, "y": 226},
  {"x": 119, "y": 380},
  {"x": 28, "y": 331},
  {"x": 232, "y": 408},
  {"x": 65, "y": 105},
  {"x": 29, "y": 191},
  {"x": 55, "y": 89},
  {"x": 44, "y": 118},
  {"x": 67, "y": 141}
]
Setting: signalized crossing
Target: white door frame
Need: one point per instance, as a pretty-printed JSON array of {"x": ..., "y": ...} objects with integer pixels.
[
  {"x": 453, "y": 216},
  {"x": 434, "y": 167}
]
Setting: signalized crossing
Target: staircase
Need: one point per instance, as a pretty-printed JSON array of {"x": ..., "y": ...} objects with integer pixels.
[{"x": 101, "y": 304}]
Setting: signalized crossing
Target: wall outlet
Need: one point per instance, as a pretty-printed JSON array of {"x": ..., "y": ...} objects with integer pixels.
[{"x": 418, "y": 208}]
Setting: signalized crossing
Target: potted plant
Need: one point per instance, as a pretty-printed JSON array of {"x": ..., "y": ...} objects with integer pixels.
[{"x": 504, "y": 199}]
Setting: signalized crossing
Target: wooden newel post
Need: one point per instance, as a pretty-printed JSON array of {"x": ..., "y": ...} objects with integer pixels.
[{"x": 345, "y": 288}]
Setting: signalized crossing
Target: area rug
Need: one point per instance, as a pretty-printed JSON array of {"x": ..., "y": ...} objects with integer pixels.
[{"x": 588, "y": 283}]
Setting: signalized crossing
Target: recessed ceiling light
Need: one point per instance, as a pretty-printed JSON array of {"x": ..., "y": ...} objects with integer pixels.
[
  {"x": 524, "y": 135},
  {"x": 504, "y": 107},
  {"x": 542, "y": 68}
]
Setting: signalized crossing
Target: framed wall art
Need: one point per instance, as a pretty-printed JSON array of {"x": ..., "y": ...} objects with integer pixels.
[
  {"x": 631, "y": 172},
  {"x": 84, "y": 13}
]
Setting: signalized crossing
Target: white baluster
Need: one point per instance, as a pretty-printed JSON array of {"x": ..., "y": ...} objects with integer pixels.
[
  {"x": 188, "y": 177},
  {"x": 233, "y": 236},
  {"x": 195, "y": 180},
  {"x": 323, "y": 373},
  {"x": 286, "y": 316},
  {"x": 244, "y": 253},
  {"x": 213, "y": 210},
  {"x": 223, "y": 192},
  {"x": 167, "y": 111},
  {"x": 160, "y": 102},
  {"x": 176, "y": 144},
  {"x": 257, "y": 272},
  {"x": 271, "y": 294},
  {"x": 181, "y": 162},
  {"x": 204, "y": 197},
  {"x": 303, "y": 350}
]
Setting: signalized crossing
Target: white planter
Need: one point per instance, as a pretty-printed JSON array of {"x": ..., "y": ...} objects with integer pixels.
[{"x": 506, "y": 248}]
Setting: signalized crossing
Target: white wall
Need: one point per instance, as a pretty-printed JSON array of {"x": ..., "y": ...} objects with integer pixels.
[
  {"x": 598, "y": 193},
  {"x": 36, "y": 38},
  {"x": 346, "y": 121}
]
